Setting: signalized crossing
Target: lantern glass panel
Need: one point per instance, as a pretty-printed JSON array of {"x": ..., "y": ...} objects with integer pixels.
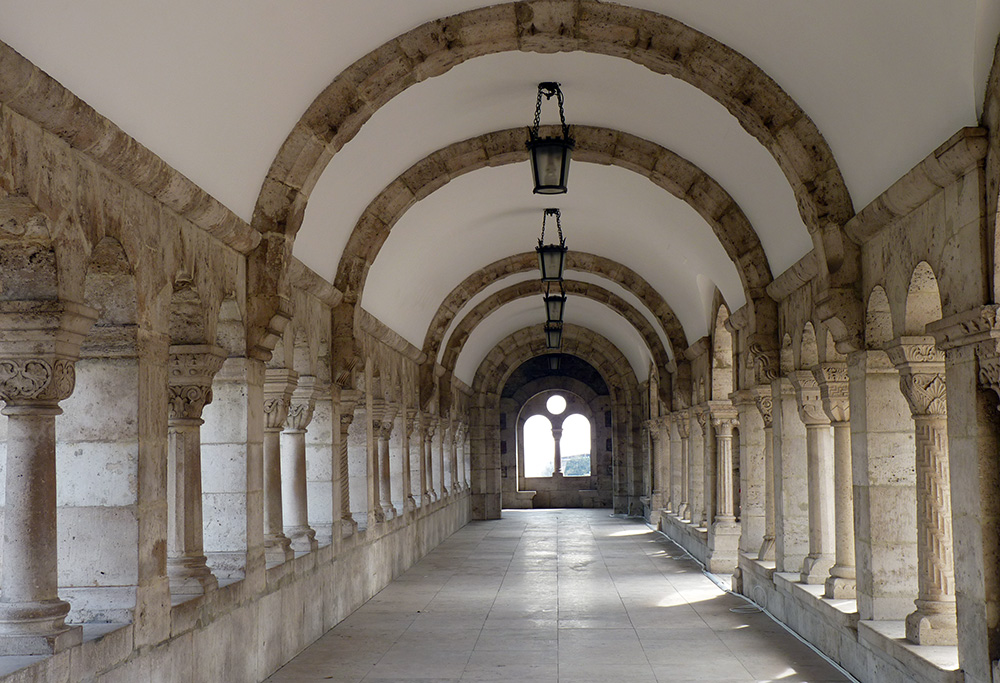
[
  {"x": 550, "y": 159},
  {"x": 553, "y": 336},
  {"x": 551, "y": 258},
  {"x": 554, "y": 306}
]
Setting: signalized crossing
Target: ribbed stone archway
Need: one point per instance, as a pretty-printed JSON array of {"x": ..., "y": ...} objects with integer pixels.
[
  {"x": 534, "y": 288},
  {"x": 575, "y": 260},
  {"x": 490, "y": 378},
  {"x": 665, "y": 169},
  {"x": 660, "y": 43}
]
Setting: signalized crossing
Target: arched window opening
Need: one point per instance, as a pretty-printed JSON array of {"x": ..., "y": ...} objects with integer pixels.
[
  {"x": 539, "y": 447},
  {"x": 575, "y": 446}
]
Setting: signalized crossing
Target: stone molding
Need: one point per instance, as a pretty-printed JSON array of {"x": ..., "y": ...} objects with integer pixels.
[
  {"x": 834, "y": 389},
  {"x": 684, "y": 425},
  {"x": 807, "y": 394},
  {"x": 302, "y": 404},
  {"x": 192, "y": 367},
  {"x": 279, "y": 384},
  {"x": 921, "y": 374}
]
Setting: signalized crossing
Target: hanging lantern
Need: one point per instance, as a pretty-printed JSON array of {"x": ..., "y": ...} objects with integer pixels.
[
  {"x": 555, "y": 305},
  {"x": 553, "y": 361},
  {"x": 551, "y": 257},
  {"x": 550, "y": 156},
  {"x": 553, "y": 335}
]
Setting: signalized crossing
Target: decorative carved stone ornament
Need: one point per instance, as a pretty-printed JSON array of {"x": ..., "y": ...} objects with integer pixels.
[
  {"x": 834, "y": 390},
  {"x": 302, "y": 404},
  {"x": 921, "y": 374},
  {"x": 190, "y": 373},
  {"x": 24, "y": 380},
  {"x": 279, "y": 385},
  {"x": 765, "y": 404},
  {"x": 808, "y": 396}
]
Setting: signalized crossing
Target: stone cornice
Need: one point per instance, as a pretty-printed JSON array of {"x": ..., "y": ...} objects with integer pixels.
[
  {"x": 383, "y": 333},
  {"x": 797, "y": 275},
  {"x": 941, "y": 168},
  {"x": 309, "y": 281}
]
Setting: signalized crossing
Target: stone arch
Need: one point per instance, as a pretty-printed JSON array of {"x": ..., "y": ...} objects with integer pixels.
[
  {"x": 878, "y": 319},
  {"x": 575, "y": 260},
  {"x": 534, "y": 287},
  {"x": 722, "y": 356},
  {"x": 109, "y": 287},
  {"x": 664, "y": 168},
  {"x": 991, "y": 122},
  {"x": 808, "y": 347},
  {"x": 506, "y": 357},
  {"x": 662, "y": 44},
  {"x": 923, "y": 300}
]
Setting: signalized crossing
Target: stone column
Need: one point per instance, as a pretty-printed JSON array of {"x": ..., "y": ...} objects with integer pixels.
[
  {"x": 765, "y": 402},
  {"x": 835, "y": 393},
  {"x": 791, "y": 479},
  {"x": 38, "y": 348},
  {"x": 347, "y": 399},
  {"x": 444, "y": 429},
  {"x": 557, "y": 457},
  {"x": 192, "y": 368},
  {"x": 750, "y": 451},
  {"x": 430, "y": 426},
  {"x": 294, "y": 500},
  {"x": 385, "y": 426},
  {"x": 817, "y": 564},
  {"x": 723, "y": 423},
  {"x": 656, "y": 485},
  {"x": 704, "y": 487},
  {"x": 684, "y": 432},
  {"x": 278, "y": 387},
  {"x": 676, "y": 468},
  {"x": 921, "y": 378},
  {"x": 409, "y": 427}
]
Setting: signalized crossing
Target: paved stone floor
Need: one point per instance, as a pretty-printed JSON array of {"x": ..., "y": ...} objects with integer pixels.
[{"x": 556, "y": 595}]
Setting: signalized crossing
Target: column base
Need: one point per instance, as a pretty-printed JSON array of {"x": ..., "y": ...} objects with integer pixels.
[
  {"x": 840, "y": 588},
  {"x": 348, "y": 526},
  {"x": 766, "y": 551},
  {"x": 816, "y": 569},
  {"x": 389, "y": 511},
  {"x": 190, "y": 575},
  {"x": 933, "y": 623},
  {"x": 410, "y": 504},
  {"x": 277, "y": 549},
  {"x": 682, "y": 511},
  {"x": 303, "y": 539},
  {"x": 36, "y": 628}
]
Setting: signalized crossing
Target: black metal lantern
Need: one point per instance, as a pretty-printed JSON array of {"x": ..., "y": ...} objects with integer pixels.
[
  {"x": 551, "y": 257},
  {"x": 555, "y": 305},
  {"x": 553, "y": 335},
  {"x": 550, "y": 156},
  {"x": 553, "y": 361}
]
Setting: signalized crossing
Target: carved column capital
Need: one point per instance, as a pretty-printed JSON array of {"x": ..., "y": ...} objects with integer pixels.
[
  {"x": 191, "y": 370},
  {"x": 701, "y": 416},
  {"x": 921, "y": 374},
  {"x": 302, "y": 405},
  {"x": 652, "y": 426},
  {"x": 39, "y": 345},
  {"x": 808, "y": 397},
  {"x": 410, "y": 421},
  {"x": 279, "y": 384},
  {"x": 387, "y": 421},
  {"x": 684, "y": 425},
  {"x": 765, "y": 404},
  {"x": 430, "y": 425},
  {"x": 834, "y": 390}
]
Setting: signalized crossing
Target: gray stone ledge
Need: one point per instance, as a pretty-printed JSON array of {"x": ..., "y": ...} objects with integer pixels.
[{"x": 923, "y": 663}]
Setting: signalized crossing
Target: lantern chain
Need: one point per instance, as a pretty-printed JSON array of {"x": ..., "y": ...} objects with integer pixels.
[
  {"x": 549, "y": 89},
  {"x": 558, "y": 214}
]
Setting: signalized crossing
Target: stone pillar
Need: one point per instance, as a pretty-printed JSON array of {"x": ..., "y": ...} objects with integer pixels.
[
  {"x": 705, "y": 491},
  {"x": 791, "y": 482},
  {"x": 684, "y": 434},
  {"x": 375, "y": 409},
  {"x": 557, "y": 457},
  {"x": 321, "y": 465},
  {"x": 921, "y": 378},
  {"x": 278, "y": 387},
  {"x": 723, "y": 423},
  {"x": 38, "y": 348},
  {"x": 676, "y": 468},
  {"x": 834, "y": 390},
  {"x": 192, "y": 368},
  {"x": 430, "y": 426},
  {"x": 765, "y": 403},
  {"x": 294, "y": 497},
  {"x": 347, "y": 399},
  {"x": 457, "y": 439},
  {"x": 385, "y": 425},
  {"x": 750, "y": 450},
  {"x": 817, "y": 564},
  {"x": 656, "y": 501},
  {"x": 409, "y": 416},
  {"x": 443, "y": 430}
]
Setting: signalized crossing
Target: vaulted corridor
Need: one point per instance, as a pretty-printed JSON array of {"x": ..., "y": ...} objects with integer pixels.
[{"x": 547, "y": 595}]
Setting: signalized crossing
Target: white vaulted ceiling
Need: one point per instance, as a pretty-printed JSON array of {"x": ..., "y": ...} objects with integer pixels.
[{"x": 215, "y": 88}]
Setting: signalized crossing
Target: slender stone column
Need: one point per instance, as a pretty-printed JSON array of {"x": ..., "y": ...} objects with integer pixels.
[
  {"x": 834, "y": 390},
  {"x": 656, "y": 485},
  {"x": 385, "y": 481},
  {"x": 444, "y": 429},
  {"x": 922, "y": 380},
  {"x": 684, "y": 431},
  {"x": 430, "y": 426},
  {"x": 817, "y": 564},
  {"x": 723, "y": 423},
  {"x": 346, "y": 402},
  {"x": 704, "y": 487},
  {"x": 456, "y": 437},
  {"x": 294, "y": 500},
  {"x": 765, "y": 402},
  {"x": 278, "y": 387},
  {"x": 409, "y": 428},
  {"x": 192, "y": 368},
  {"x": 676, "y": 468},
  {"x": 38, "y": 348},
  {"x": 664, "y": 473}
]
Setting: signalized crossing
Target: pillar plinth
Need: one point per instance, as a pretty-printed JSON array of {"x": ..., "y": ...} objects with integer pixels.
[
  {"x": 278, "y": 387},
  {"x": 922, "y": 380},
  {"x": 39, "y": 345},
  {"x": 294, "y": 497},
  {"x": 192, "y": 368},
  {"x": 822, "y": 554}
]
